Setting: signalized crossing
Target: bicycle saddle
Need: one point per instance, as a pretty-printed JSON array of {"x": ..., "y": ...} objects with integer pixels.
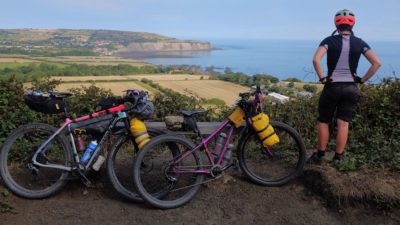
[
  {"x": 191, "y": 113},
  {"x": 60, "y": 94}
]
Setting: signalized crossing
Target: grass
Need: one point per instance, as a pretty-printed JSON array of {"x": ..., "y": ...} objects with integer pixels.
[{"x": 146, "y": 86}]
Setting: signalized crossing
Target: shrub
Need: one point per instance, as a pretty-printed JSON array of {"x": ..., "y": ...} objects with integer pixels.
[{"x": 310, "y": 88}]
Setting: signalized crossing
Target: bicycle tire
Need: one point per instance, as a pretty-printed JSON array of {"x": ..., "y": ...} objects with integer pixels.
[
  {"x": 266, "y": 170},
  {"x": 123, "y": 183},
  {"x": 9, "y": 156},
  {"x": 163, "y": 192}
]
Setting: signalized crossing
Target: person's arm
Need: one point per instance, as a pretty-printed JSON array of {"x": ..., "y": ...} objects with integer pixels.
[
  {"x": 317, "y": 59},
  {"x": 375, "y": 64}
]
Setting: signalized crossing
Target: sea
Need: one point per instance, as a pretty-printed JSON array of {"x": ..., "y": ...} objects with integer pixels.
[{"x": 280, "y": 58}]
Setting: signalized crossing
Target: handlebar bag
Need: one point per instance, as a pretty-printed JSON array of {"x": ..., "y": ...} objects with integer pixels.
[{"x": 108, "y": 102}]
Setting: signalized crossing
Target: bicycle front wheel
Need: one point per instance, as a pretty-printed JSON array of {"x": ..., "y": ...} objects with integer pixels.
[
  {"x": 16, "y": 168},
  {"x": 282, "y": 163},
  {"x": 120, "y": 166},
  {"x": 166, "y": 172}
]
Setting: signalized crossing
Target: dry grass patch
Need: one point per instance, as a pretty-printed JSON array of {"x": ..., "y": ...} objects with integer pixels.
[{"x": 376, "y": 188}]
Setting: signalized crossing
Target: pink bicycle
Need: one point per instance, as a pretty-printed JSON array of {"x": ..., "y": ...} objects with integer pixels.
[{"x": 169, "y": 170}]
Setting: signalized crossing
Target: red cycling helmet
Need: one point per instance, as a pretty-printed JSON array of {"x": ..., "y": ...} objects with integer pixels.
[{"x": 345, "y": 17}]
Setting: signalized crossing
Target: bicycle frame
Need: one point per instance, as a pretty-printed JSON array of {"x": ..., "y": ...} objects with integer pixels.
[
  {"x": 204, "y": 145},
  {"x": 67, "y": 124}
]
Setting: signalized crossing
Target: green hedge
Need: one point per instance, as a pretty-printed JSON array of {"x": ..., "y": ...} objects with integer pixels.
[{"x": 374, "y": 138}]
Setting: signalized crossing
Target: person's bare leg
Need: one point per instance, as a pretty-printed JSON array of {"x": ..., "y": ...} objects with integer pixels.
[
  {"x": 341, "y": 137},
  {"x": 323, "y": 136}
]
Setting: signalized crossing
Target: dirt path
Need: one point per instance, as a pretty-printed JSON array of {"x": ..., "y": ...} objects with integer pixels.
[{"x": 231, "y": 200}]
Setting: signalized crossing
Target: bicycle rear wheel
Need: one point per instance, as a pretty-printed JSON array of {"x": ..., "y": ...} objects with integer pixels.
[
  {"x": 16, "y": 168},
  {"x": 287, "y": 159},
  {"x": 120, "y": 166},
  {"x": 163, "y": 180}
]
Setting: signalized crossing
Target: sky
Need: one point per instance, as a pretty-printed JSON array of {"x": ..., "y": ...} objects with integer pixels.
[{"x": 208, "y": 19}]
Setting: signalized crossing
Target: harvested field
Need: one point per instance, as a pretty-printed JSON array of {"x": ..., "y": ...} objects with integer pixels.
[
  {"x": 226, "y": 91},
  {"x": 117, "y": 88}
]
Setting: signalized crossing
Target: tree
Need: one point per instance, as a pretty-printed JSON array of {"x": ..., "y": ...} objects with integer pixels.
[{"x": 290, "y": 85}]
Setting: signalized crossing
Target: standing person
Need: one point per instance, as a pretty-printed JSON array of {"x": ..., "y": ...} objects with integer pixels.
[{"x": 340, "y": 94}]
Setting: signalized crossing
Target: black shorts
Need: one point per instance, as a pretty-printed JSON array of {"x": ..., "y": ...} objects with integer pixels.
[{"x": 341, "y": 98}]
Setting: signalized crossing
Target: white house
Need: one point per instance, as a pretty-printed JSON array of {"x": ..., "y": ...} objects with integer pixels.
[{"x": 278, "y": 98}]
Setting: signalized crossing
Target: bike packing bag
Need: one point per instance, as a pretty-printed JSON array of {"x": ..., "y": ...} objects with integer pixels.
[
  {"x": 139, "y": 132},
  {"x": 44, "y": 104},
  {"x": 94, "y": 126},
  {"x": 237, "y": 117},
  {"x": 264, "y": 130}
]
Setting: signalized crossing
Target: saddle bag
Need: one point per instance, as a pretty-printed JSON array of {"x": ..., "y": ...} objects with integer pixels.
[{"x": 43, "y": 103}]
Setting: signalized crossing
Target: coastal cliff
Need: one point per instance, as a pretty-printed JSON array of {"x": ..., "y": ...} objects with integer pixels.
[{"x": 167, "y": 46}]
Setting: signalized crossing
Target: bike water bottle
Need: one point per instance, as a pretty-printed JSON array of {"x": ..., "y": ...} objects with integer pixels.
[
  {"x": 88, "y": 153},
  {"x": 100, "y": 160},
  {"x": 219, "y": 145},
  {"x": 227, "y": 155},
  {"x": 80, "y": 143}
]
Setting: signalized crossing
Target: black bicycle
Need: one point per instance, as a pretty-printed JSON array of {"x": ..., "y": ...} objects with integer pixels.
[{"x": 37, "y": 159}]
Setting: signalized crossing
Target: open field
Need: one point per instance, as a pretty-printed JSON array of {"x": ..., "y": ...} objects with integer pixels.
[
  {"x": 155, "y": 77},
  {"x": 226, "y": 91}
]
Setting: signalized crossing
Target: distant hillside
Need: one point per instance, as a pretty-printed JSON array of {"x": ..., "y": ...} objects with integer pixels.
[{"x": 104, "y": 42}]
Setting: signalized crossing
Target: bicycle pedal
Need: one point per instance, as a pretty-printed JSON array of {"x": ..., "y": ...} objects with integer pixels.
[
  {"x": 87, "y": 183},
  {"x": 235, "y": 164},
  {"x": 85, "y": 180}
]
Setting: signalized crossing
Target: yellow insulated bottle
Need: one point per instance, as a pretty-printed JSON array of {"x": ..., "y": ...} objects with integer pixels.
[
  {"x": 265, "y": 131},
  {"x": 139, "y": 132}
]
